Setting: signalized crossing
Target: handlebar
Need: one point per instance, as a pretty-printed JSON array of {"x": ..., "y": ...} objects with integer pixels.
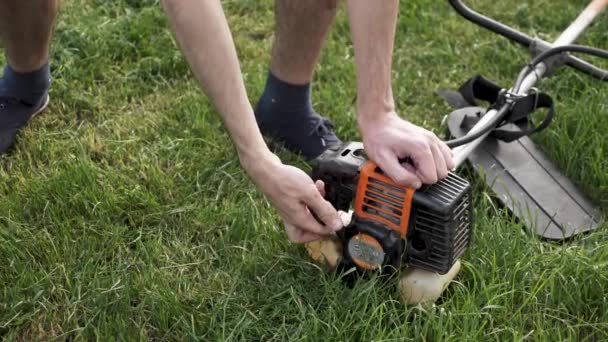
[{"x": 523, "y": 39}]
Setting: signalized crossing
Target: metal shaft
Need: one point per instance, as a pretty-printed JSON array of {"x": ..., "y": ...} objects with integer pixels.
[{"x": 567, "y": 37}]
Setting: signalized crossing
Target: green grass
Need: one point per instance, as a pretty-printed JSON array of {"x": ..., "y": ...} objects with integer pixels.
[{"x": 124, "y": 213}]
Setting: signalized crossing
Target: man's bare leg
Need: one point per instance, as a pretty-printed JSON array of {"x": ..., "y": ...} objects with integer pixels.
[
  {"x": 25, "y": 31},
  {"x": 284, "y": 111},
  {"x": 301, "y": 28}
]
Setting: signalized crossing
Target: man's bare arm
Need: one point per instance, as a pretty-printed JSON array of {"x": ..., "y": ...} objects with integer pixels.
[
  {"x": 202, "y": 32},
  {"x": 387, "y": 138},
  {"x": 373, "y": 26},
  {"x": 205, "y": 39}
]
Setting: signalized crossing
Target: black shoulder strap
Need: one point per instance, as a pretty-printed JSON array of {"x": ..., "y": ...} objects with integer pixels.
[
  {"x": 480, "y": 88},
  {"x": 474, "y": 89}
]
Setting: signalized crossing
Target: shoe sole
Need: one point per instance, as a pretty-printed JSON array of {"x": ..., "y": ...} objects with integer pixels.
[{"x": 42, "y": 107}]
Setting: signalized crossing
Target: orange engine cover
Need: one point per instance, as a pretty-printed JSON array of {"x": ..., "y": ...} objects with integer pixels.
[{"x": 379, "y": 199}]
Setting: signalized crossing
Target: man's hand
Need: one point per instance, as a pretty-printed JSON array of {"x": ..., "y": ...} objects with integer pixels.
[
  {"x": 293, "y": 193},
  {"x": 389, "y": 140}
]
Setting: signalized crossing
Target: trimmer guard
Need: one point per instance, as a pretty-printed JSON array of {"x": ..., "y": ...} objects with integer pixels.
[{"x": 527, "y": 182}]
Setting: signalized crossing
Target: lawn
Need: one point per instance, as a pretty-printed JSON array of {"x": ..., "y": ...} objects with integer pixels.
[{"x": 124, "y": 213}]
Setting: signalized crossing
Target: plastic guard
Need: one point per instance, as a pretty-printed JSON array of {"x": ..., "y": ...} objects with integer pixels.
[{"x": 380, "y": 199}]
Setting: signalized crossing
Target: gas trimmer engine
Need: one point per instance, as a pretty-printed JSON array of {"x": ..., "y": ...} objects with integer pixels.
[{"x": 392, "y": 225}]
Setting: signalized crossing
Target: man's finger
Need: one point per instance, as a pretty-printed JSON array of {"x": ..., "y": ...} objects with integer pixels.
[
  {"x": 303, "y": 220},
  {"x": 300, "y": 216},
  {"x": 324, "y": 211},
  {"x": 321, "y": 187},
  {"x": 409, "y": 167},
  {"x": 448, "y": 156},
  {"x": 442, "y": 169},
  {"x": 296, "y": 235},
  {"x": 398, "y": 173},
  {"x": 425, "y": 165}
]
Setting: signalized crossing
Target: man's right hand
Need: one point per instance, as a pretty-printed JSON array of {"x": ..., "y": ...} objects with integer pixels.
[{"x": 293, "y": 193}]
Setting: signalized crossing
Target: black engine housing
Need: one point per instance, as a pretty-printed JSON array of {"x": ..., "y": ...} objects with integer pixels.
[{"x": 441, "y": 217}]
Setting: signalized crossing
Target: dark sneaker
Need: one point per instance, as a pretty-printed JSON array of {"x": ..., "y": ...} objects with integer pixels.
[
  {"x": 14, "y": 115},
  {"x": 307, "y": 135}
]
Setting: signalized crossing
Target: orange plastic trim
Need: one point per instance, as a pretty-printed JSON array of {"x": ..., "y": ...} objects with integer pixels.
[{"x": 367, "y": 172}]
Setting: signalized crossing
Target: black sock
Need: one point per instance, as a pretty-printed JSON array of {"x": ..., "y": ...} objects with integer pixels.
[
  {"x": 281, "y": 98},
  {"x": 284, "y": 112},
  {"x": 29, "y": 87}
]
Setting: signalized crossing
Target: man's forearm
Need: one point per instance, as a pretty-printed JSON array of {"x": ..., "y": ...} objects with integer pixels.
[
  {"x": 202, "y": 32},
  {"x": 373, "y": 32}
]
